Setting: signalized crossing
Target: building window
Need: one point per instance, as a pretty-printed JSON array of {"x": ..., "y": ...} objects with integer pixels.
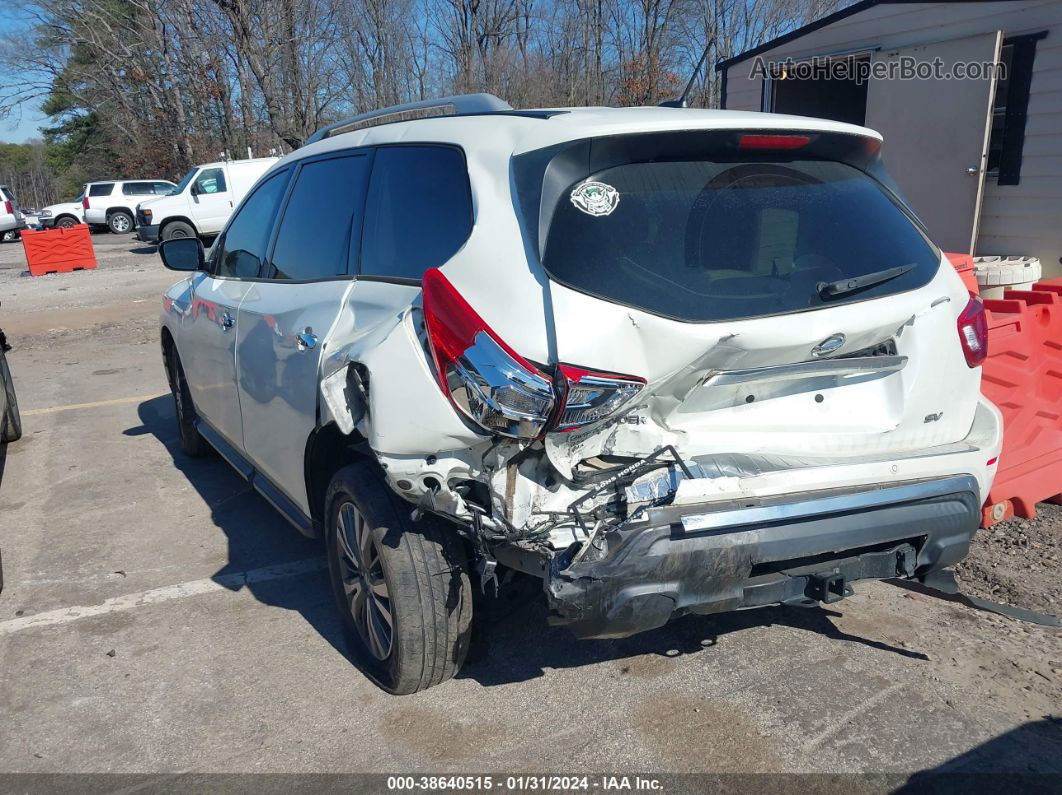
[{"x": 1010, "y": 108}]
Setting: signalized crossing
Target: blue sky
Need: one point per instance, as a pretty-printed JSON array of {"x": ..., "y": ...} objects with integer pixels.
[{"x": 16, "y": 129}]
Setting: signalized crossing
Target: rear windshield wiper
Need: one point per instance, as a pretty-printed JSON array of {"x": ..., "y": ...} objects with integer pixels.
[{"x": 842, "y": 286}]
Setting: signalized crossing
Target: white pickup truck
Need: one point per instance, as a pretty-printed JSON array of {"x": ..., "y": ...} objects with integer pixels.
[{"x": 203, "y": 201}]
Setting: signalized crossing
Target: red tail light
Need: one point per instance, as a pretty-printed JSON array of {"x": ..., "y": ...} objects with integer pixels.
[
  {"x": 499, "y": 389},
  {"x": 973, "y": 332},
  {"x": 484, "y": 378},
  {"x": 84, "y": 202},
  {"x": 773, "y": 141},
  {"x": 9, "y": 208},
  {"x": 588, "y": 396}
]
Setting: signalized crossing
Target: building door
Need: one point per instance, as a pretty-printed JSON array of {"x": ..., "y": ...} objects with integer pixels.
[{"x": 936, "y": 132}]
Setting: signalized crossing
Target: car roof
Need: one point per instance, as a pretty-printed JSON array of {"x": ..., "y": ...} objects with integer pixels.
[
  {"x": 232, "y": 163},
  {"x": 523, "y": 132},
  {"x": 122, "y": 181}
]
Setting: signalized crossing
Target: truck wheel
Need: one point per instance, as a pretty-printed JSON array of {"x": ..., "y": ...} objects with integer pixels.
[
  {"x": 66, "y": 221},
  {"x": 402, "y": 588},
  {"x": 10, "y": 236},
  {"x": 176, "y": 229},
  {"x": 120, "y": 222},
  {"x": 192, "y": 442},
  {"x": 11, "y": 422}
]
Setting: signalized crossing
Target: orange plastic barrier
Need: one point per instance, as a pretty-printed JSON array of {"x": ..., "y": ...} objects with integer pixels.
[
  {"x": 58, "y": 250},
  {"x": 1023, "y": 377}
]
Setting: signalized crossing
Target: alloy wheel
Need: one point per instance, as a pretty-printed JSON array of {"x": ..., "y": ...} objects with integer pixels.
[{"x": 364, "y": 585}]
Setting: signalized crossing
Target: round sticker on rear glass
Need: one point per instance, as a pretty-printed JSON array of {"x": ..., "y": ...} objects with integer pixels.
[{"x": 595, "y": 198}]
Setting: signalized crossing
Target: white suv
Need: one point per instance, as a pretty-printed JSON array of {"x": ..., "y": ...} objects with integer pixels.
[
  {"x": 668, "y": 361},
  {"x": 113, "y": 204},
  {"x": 11, "y": 219}
]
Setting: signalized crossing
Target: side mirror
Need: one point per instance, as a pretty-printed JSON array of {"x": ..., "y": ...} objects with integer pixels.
[{"x": 183, "y": 254}]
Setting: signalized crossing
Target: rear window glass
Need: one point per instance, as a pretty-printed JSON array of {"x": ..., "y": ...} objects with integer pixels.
[
  {"x": 700, "y": 240},
  {"x": 103, "y": 189}
]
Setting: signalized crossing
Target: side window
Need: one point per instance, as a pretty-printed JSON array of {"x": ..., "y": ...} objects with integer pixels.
[
  {"x": 103, "y": 189},
  {"x": 314, "y": 237},
  {"x": 136, "y": 188},
  {"x": 210, "y": 180},
  {"x": 161, "y": 188},
  {"x": 418, "y": 212},
  {"x": 244, "y": 244}
]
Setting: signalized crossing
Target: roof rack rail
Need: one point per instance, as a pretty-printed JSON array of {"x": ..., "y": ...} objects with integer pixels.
[{"x": 462, "y": 104}]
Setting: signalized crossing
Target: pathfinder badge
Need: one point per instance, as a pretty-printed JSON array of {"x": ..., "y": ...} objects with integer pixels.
[{"x": 595, "y": 198}]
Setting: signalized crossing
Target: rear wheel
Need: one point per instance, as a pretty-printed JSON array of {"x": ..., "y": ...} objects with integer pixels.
[
  {"x": 402, "y": 588},
  {"x": 11, "y": 422},
  {"x": 120, "y": 222},
  {"x": 10, "y": 236},
  {"x": 192, "y": 442},
  {"x": 177, "y": 229}
]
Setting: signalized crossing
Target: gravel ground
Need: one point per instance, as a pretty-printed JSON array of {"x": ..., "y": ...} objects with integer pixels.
[
  {"x": 1018, "y": 562},
  {"x": 129, "y": 276}
]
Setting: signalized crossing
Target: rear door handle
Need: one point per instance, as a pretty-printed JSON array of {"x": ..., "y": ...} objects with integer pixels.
[
  {"x": 306, "y": 339},
  {"x": 227, "y": 321}
]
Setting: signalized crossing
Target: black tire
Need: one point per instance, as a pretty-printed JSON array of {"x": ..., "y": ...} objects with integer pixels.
[
  {"x": 11, "y": 422},
  {"x": 423, "y": 569},
  {"x": 177, "y": 229},
  {"x": 120, "y": 222},
  {"x": 66, "y": 221},
  {"x": 10, "y": 236},
  {"x": 192, "y": 442}
]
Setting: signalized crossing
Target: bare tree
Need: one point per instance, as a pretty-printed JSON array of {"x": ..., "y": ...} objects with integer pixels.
[{"x": 162, "y": 84}]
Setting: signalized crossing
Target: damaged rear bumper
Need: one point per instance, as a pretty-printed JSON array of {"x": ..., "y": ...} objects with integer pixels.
[{"x": 762, "y": 551}]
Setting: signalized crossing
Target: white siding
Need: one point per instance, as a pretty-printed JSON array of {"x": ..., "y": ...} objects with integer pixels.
[{"x": 1021, "y": 219}]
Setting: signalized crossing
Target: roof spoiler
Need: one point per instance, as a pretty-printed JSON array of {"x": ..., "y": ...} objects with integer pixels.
[{"x": 462, "y": 104}]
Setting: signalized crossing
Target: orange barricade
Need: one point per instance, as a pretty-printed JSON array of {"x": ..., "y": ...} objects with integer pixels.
[
  {"x": 58, "y": 250},
  {"x": 1023, "y": 377}
]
